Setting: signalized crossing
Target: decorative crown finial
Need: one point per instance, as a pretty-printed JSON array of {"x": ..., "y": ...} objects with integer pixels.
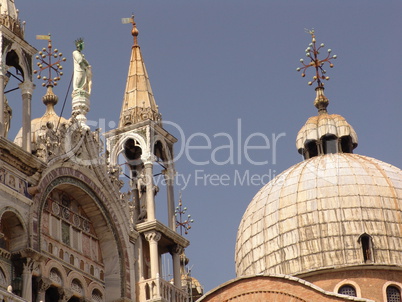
[
  {"x": 45, "y": 63},
  {"x": 312, "y": 52},
  {"x": 79, "y": 41}
]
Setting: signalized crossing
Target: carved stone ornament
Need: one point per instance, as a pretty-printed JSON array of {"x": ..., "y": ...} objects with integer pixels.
[{"x": 153, "y": 236}]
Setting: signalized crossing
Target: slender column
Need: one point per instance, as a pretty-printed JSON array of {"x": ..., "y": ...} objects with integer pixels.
[
  {"x": 153, "y": 237},
  {"x": 43, "y": 285},
  {"x": 176, "y": 252},
  {"x": 169, "y": 177},
  {"x": 27, "y": 88},
  {"x": 150, "y": 191},
  {"x": 2, "y": 106},
  {"x": 27, "y": 279}
]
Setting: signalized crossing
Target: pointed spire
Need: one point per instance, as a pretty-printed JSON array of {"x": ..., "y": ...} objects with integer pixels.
[
  {"x": 9, "y": 17},
  {"x": 7, "y": 7},
  {"x": 138, "y": 103}
]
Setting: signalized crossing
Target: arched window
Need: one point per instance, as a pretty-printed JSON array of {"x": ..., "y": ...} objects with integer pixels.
[
  {"x": 393, "y": 294},
  {"x": 348, "y": 290},
  {"x": 367, "y": 247},
  {"x": 97, "y": 296}
]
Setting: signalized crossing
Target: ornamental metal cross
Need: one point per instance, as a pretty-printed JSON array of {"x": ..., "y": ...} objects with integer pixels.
[
  {"x": 45, "y": 63},
  {"x": 179, "y": 212},
  {"x": 312, "y": 52}
]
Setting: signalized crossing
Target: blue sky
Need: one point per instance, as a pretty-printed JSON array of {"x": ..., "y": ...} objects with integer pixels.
[{"x": 230, "y": 67}]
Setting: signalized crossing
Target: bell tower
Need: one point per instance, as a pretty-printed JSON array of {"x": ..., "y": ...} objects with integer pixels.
[
  {"x": 142, "y": 142},
  {"x": 17, "y": 53}
]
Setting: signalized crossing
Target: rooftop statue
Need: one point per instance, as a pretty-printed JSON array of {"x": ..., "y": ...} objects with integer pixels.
[{"x": 82, "y": 70}]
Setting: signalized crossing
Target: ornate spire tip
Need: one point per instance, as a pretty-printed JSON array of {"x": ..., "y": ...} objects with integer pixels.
[
  {"x": 312, "y": 52},
  {"x": 134, "y": 30}
]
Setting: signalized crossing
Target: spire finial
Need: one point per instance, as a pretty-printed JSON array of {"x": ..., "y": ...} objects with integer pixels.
[
  {"x": 312, "y": 52},
  {"x": 134, "y": 30},
  {"x": 321, "y": 101},
  {"x": 179, "y": 212},
  {"x": 49, "y": 59}
]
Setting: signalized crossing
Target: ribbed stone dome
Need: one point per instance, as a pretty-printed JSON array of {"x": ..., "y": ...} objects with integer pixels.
[{"x": 313, "y": 215}]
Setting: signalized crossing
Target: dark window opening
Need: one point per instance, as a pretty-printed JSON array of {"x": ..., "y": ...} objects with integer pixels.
[
  {"x": 348, "y": 290},
  {"x": 132, "y": 151},
  {"x": 346, "y": 144},
  {"x": 367, "y": 247},
  {"x": 330, "y": 144},
  {"x": 311, "y": 149},
  {"x": 52, "y": 294},
  {"x": 393, "y": 294}
]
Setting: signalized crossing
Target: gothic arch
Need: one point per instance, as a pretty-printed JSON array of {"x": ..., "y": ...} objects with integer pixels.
[
  {"x": 23, "y": 63},
  {"x": 92, "y": 200},
  {"x": 168, "y": 159},
  {"x": 119, "y": 147}
]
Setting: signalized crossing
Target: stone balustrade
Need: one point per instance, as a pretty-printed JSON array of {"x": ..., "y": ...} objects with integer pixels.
[
  {"x": 9, "y": 297},
  {"x": 158, "y": 289}
]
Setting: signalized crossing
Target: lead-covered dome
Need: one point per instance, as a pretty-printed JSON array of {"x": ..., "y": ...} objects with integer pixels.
[{"x": 334, "y": 210}]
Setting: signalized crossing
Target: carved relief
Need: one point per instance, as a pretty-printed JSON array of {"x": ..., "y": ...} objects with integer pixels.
[
  {"x": 153, "y": 236},
  {"x": 55, "y": 276}
]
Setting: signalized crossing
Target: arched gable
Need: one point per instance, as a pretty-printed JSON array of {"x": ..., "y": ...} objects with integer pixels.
[{"x": 108, "y": 220}]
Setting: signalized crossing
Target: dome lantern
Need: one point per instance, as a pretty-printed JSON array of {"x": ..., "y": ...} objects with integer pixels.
[{"x": 324, "y": 133}]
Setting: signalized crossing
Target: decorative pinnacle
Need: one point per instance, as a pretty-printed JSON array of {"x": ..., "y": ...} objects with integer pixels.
[
  {"x": 312, "y": 52},
  {"x": 179, "y": 212},
  {"x": 134, "y": 30},
  {"x": 45, "y": 63}
]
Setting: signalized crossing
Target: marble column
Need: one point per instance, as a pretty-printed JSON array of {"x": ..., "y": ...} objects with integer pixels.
[
  {"x": 153, "y": 237},
  {"x": 27, "y": 88},
  {"x": 150, "y": 191},
  {"x": 43, "y": 285},
  {"x": 27, "y": 279},
  {"x": 169, "y": 177},
  {"x": 176, "y": 252}
]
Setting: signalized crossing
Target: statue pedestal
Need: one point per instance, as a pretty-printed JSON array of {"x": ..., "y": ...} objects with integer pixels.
[{"x": 81, "y": 106}]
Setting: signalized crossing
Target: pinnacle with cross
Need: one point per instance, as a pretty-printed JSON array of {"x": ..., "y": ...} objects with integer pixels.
[{"x": 312, "y": 52}]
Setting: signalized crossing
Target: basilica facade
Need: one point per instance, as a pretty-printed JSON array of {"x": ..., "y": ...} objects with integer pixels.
[{"x": 69, "y": 229}]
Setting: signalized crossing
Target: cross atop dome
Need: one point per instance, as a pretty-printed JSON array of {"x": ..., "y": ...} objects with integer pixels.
[{"x": 312, "y": 52}]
